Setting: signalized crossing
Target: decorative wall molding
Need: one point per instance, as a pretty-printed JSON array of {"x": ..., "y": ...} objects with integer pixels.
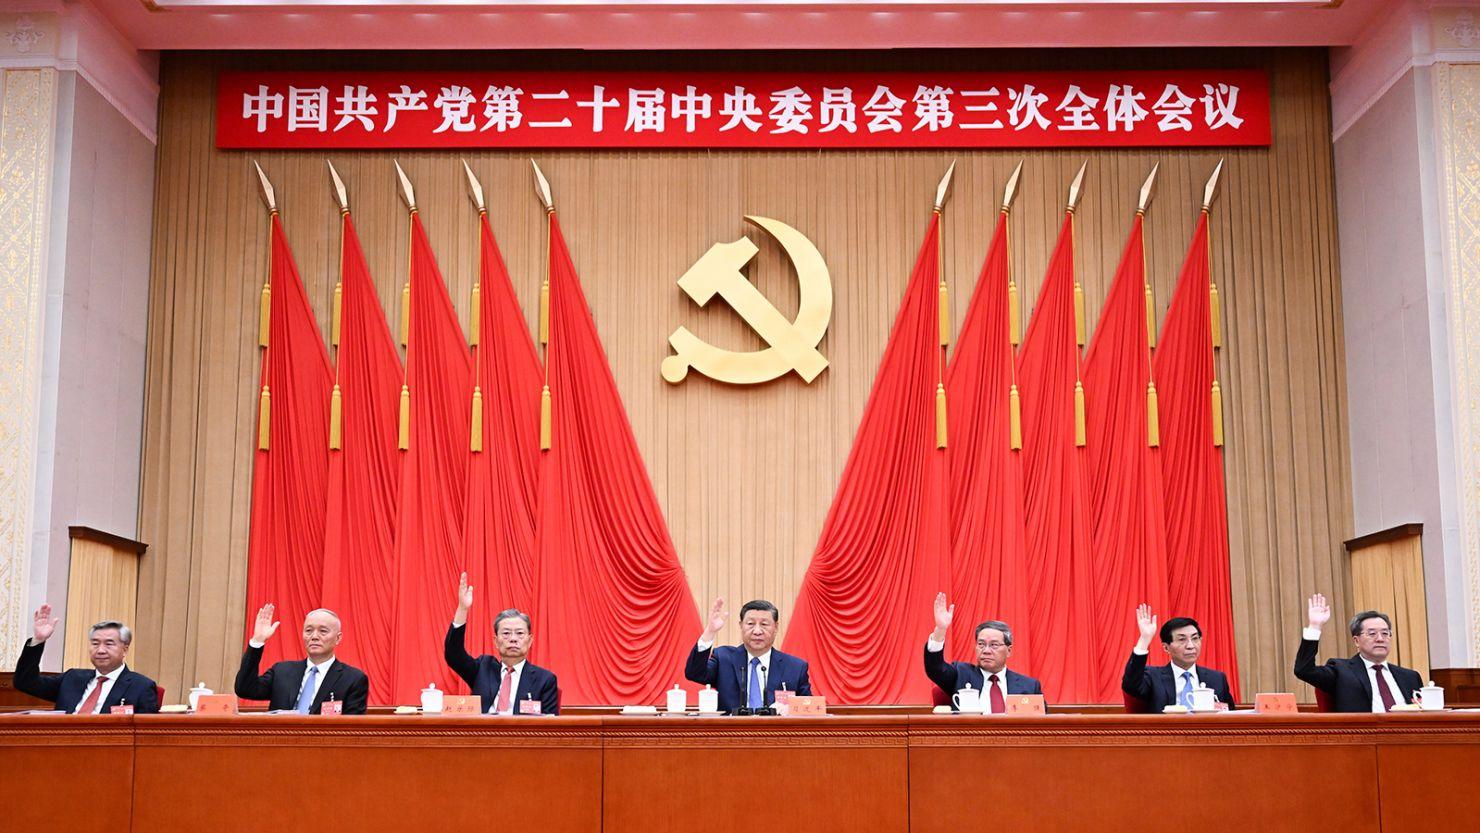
[
  {"x": 27, "y": 130},
  {"x": 1457, "y": 106},
  {"x": 74, "y": 37}
]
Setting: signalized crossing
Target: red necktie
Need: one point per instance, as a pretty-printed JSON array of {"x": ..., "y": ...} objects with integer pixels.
[
  {"x": 91, "y": 702},
  {"x": 1382, "y": 689},
  {"x": 504, "y": 692},
  {"x": 999, "y": 705}
]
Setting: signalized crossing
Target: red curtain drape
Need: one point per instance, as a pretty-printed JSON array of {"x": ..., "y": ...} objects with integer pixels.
[
  {"x": 615, "y": 617},
  {"x": 498, "y": 540},
  {"x": 988, "y": 569},
  {"x": 1192, "y": 466},
  {"x": 434, "y": 477},
  {"x": 364, "y": 475},
  {"x": 286, "y": 540},
  {"x": 1128, "y": 540},
  {"x": 1056, "y": 498},
  {"x": 864, "y": 609}
]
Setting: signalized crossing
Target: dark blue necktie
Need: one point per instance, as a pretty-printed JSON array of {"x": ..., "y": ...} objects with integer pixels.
[{"x": 756, "y": 700}]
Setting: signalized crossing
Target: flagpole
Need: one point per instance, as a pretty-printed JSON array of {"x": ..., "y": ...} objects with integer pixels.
[
  {"x": 475, "y": 424},
  {"x": 1153, "y": 409},
  {"x": 403, "y": 440},
  {"x": 1210, "y": 193},
  {"x": 1079, "y": 329},
  {"x": 1014, "y": 317},
  {"x": 942, "y": 193},
  {"x": 542, "y": 190},
  {"x": 264, "y": 327},
  {"x": 336, "y": 401}
]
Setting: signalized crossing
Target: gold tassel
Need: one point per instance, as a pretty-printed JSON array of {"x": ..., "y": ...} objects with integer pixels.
[
  {"x": 1153, "y": 417},
  {"x": 406, "y": 313},
  {"x": 945, "y": 315},
  {"x": 1014, "y": 420},
  {"x": 545, "y": 312},
  {"x": 264, "y": 323},
  {"x": 264, "y": 420},
  {"x": 545, "y": 419},
  {"x": 1014, "y": 314},
  {"x": 1078, "y": 413},
  {"x": 476, "y": 442},
  {"x": 940, "y": 415},
  {"x": 474, "y": 319},
  {"x": 334, "y": 326},
  {"x": 1217, "y": 415},
  {"x": 403, "y": 436},
  {"x": 1150, "y": 318},
  {"x": 1078, "y": 314},
  {"x": 336, "y": 420},
  {"x": 1215, "y": 316}
]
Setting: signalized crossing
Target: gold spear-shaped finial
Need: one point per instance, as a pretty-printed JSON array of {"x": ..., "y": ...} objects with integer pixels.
[
  {"x": 475, "y": 190},
  {"x": 542, "y": 187},
  {"x": 1009, "y": 193},
  {"x": 943, "y": 191},
  {"x": 339, "y": 193},
  {"x": 1148, "y": 189},
  {"x": 268, "y": 197},
  {"x": 407, "y": 195},
  {"x": 1075, "y": 190},
  {"x": 1210, "y": 192}
]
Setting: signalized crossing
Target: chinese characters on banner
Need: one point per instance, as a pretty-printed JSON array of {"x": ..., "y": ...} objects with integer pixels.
[{"x": 1184, "y": 108}]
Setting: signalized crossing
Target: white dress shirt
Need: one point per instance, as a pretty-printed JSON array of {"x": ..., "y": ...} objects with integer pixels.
[
  {"x": 515, "y": 673},
  {"x": 104, "y": 680},
  {"x": 318, "y": 681},
  {"x": 1387, "y": 674},
  {"x": 764, "y": 671}
]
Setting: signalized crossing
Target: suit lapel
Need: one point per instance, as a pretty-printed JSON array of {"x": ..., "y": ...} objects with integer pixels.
[
  {"x": 1360, "y": 666},
  {"x": 738, "y": 663},
  {"x": 297, "y": 671},
  {"x": 330, "y": 683},
  {"x": 1168, "y": 676}
]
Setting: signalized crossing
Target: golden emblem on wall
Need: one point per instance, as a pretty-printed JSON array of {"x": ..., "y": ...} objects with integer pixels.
[{"x": 792, "y": 344}]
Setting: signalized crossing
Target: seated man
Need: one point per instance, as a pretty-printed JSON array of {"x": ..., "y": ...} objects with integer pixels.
[
  {"x": 990, "y": 675},
  {"x": 296, "y": 685},
  {"x": 748, "y": 675},
  {"x": 1170, "y": 685},
  {"x": 509, "y": 679},
  {"x": 80, "y": 691},
  {"x": 1366, "y": 682}
]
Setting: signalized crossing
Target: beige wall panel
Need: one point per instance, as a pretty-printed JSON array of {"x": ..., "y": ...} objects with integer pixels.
[
  {"x": 745, "y": 476},
  {"x": 1388, "y": 576},
  {"x": 102, "y": 584}
]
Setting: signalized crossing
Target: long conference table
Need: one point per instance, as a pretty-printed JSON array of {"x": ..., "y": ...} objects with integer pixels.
[{"x": 1189, "y": 774}]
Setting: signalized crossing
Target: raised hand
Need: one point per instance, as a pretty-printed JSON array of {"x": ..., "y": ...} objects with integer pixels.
[
  {"x": 1318, "y": 612},
  {"x": 943, "y": 613},
  {"x": 45, "y": 625},
  {"x": 265, "y": 627},
  {"x": 464, "y": 594},
  {"x": 1146, "y": 624},
  {"x": 718, "y": 615}
]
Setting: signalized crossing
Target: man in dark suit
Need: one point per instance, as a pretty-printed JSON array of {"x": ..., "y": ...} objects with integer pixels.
[
  {"x": 507, "y": 683},
  {"x": 81, "y": 691},
  {"x": 1170, "y": 685},
  {"x": 1366, "y": 682},
  {"x": 990, "y": 675},
  {"x": 747, "y": 675},
  {"x": 296, "y": 685}
]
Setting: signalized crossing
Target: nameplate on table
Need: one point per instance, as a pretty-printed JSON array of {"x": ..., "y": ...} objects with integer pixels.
[
  {"x": 216, "y": 704},
  {"x": 811, "y": 705},
  {"x": 462, "y": 704},
  {"x": 1283, "y": 703},
  {"x": 1026, "y": 705}
]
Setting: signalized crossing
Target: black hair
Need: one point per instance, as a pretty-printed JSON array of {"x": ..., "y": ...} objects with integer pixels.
[
  {"x": 760, "y": 604},
  {"x": 1177, "y": 623}
]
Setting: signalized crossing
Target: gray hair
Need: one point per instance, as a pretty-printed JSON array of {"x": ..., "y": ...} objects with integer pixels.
[
  {"x": 124, "y": 634},
  {"x": 326, "y": 611},
  {"x": 513, "y": 613},
  {"x": 996, "y": 625},
  {"x": 1356, "y": 624}
]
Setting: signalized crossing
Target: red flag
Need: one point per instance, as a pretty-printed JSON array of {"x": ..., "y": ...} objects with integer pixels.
[
  {"x": 612, "y": 601},
  {"x": 286, "y": 543},
  {"x": 1192, "y": 465},
  {"x": 434, "y": 479},
  {"x": 364, "y": 476},
  {"x": 989, "y": 570},
  {"x": 1054, "y": 489},
  {"x": 1128, "y": 539},
  {"x": 498, "y": 541},
  {"x": 884, "y": 549}
]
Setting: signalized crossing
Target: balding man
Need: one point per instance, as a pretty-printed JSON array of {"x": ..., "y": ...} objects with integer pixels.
[{"x": 296, "y": 685}]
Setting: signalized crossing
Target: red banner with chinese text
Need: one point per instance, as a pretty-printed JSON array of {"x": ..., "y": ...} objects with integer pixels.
[{"x": 380, "y": 109}]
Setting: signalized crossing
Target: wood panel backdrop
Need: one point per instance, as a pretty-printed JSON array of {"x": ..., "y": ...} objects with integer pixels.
[{"x": 746, "y": 475}]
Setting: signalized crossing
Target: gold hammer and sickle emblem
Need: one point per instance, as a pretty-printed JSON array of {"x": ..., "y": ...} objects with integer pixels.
[{"x": 793, "y": 344}]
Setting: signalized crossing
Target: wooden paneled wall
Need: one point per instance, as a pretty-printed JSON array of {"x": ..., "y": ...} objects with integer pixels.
[
  {"x": 746, "y": 475},
  {"x": 102, "y": 584},
  {"x": 1387, "y": 575}
]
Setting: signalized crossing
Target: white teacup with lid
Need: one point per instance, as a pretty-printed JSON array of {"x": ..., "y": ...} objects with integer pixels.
[
  {"x": 1203, "y": 699},
  {"x": 196, "y": 693},
  {"x": 431, "y": 699},
  {"x": 967, "y": 699},
  {"x": 708, "y": 700},
  {"x": 1431, "y": 697},
  {"x": 678, "y": 699}
]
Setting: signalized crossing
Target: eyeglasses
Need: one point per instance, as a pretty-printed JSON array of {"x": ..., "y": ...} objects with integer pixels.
[
  {"x": 991, "y": 646},
  {"x": 1377, "y": 634}
]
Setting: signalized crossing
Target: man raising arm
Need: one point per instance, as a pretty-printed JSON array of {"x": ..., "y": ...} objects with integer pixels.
[{"x": 97, "y": 690}]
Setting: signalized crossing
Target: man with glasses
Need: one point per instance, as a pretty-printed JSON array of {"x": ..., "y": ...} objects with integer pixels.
[
  {"x": 989, "y": 675},
  {"x": 1160, "y": 686},
  {"x": 1366, "y": 682}
]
